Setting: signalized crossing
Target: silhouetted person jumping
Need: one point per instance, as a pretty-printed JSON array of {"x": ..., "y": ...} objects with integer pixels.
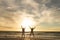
[
  {"x": 23, "y": 31},
  {"x": 32, "y": 31}
]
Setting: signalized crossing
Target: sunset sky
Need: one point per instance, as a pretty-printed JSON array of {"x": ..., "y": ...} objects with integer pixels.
[{"x": 45, "y": 14}]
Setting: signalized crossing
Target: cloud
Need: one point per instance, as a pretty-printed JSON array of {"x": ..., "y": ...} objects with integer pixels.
[
  {"x": 42, "y": 11},
  {"x": 54, "y": 3}
]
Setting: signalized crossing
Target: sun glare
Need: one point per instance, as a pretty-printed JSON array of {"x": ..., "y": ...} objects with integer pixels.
[{"x": 26, "y": 23}]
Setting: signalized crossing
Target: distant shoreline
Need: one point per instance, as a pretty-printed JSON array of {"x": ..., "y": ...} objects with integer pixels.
[{"x": 34, "y": 31}]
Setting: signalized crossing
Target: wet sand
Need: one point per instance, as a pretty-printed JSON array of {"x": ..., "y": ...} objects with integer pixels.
[{"x": 37, "y": 36}]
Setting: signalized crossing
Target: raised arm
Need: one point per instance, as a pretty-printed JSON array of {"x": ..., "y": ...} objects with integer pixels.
[{"x": 32, "y": 27}]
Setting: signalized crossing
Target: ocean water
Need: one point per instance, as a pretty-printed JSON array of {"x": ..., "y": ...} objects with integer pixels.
[{"x": 14, "y": 35}]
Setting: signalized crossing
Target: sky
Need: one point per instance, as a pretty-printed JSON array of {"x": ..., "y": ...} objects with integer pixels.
[{"x": 46, "y": 14}]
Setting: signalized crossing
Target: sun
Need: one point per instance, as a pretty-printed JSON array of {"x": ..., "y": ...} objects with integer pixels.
[{"x": 27, "y": 22}]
